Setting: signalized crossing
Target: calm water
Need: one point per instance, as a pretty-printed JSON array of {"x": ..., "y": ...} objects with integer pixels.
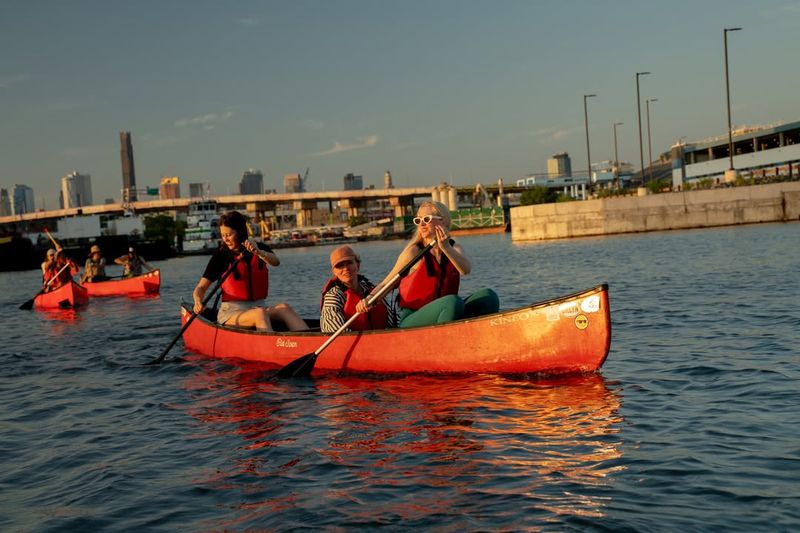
[{"x": 692, "y": 424}]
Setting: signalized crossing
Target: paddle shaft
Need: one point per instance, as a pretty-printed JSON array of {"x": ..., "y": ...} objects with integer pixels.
[
  {"x": 29, "y": 303},
  {"x": 211, "y": 293},
  {"x": 304, "y": 364},
  {"x": 52, "y": 239}
]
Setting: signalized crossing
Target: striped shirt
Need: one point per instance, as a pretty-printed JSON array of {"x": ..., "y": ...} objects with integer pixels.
[{"x": 332, "y": 314}]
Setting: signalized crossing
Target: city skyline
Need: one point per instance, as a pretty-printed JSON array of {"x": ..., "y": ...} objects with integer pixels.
[{"x": 463, "y": 92}]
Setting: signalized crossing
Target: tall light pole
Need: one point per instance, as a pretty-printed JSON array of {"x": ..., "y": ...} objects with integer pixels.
[
  {"x": 639, "y": 118},
  {"x": 649, "y": 145},
  {"x": 586, "y": 122},
  {"x": 728, "y": 95},
  {"x": 616, "y": 157}
]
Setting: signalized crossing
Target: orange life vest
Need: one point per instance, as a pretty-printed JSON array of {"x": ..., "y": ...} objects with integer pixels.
[
  {"x": 428, "y": 282},
  {"x": 248, "y": 282},
  {"x": 375, "y": 318}
]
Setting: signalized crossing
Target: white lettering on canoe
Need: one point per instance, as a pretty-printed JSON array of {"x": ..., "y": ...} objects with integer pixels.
[
  {"x": 591, "y": 304},
  {"x": 519, "y": 317},
  {"x": 552, "y": 314},
  {"x": 280, "y": 342},
  {"x": 569, "y": 309}
]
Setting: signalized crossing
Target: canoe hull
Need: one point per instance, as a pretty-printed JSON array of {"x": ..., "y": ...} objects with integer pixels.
[
  {"x": 68, "y": 296},
  {"x": 571, "y": 334},
  {"x": 147, "y": 283}
]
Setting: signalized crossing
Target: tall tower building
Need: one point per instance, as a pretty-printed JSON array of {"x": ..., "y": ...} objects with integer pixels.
[
  {"x": 387, "y": 180},
  {"x": 559, "y": 166},
  {"x": 128, "y": 173},
  {"x": 22, "y": 199},
  {"x": 252, "y": 182},
  {"x": 76, "y": 190},
  {"x": 5, "y": 203}
]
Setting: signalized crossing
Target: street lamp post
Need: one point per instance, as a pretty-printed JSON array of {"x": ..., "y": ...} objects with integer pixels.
[
  {"x": 649, "y": 144},
  {"x": 728, "y": 98},
  {"x": 586, "y": 122},
  {"x": 639, "y": 118},
  {"x": 616, "y": 157}
]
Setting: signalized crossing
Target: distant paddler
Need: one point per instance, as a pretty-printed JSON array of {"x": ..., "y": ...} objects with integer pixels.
[{"x": 95, "y": 267}]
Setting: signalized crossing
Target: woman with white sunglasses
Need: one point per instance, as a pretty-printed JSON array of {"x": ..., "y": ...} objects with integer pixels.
[{"x": 429, "y": 293}]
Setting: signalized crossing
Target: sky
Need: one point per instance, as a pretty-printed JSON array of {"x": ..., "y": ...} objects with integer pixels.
[{"x": 461, "y": 91}]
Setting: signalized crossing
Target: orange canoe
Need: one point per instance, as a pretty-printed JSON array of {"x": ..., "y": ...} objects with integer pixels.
[
  {"x": 569, "y": 334},
  {"x": 69, "y": 295},
  {"x": 147, "y": 283}
]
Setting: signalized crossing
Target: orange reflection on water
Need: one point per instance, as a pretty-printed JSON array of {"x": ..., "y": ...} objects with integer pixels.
[{"x": 450, "y": 442}]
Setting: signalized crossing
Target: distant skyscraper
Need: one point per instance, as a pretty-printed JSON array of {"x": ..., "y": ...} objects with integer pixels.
[
  {"x": 387, "y": 180},
  {"x": 22, "y": 200},
  {"x": 128, "y": 173},
  {"x": 293, "y": 183},
  {"x": 170, "y": 188},
  {"x": 559, "y": 166},
  {"x": 5, "y": 203},
  {"x": 252, "y": 182},
  {"x": 353, "y": 183},
  {"x": 76, "y": 190},
  {"x": 198, "y": 190}
]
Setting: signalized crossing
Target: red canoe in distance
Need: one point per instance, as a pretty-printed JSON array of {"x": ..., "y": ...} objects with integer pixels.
[
  {"x": 70, "y": 295},
  {"x": 147, "y": 283},
  {"x": 565, "y": 335}
]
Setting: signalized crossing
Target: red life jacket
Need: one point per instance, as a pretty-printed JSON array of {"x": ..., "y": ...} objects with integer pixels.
[
  {"x": 428, "y": 282},
  {"x": 375, "y": 318},
  {"x": 248, "y": 282},
  {"x": 63, "y": 277}
]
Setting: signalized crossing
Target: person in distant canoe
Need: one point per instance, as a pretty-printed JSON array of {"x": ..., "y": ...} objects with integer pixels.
[
  {"x": 49, "y": 260},
  {"x": 95, "y": 267},
  {"x": 244, "y": 290},
  {"x": 132, "y": 264},
  {"x": 54, "y": 270},
  {"x": 344, "y": 291},
  {"x": 429, "y": 293}
]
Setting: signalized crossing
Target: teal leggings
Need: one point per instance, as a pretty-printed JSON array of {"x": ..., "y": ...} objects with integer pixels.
[{"x": 451, "y": 307}]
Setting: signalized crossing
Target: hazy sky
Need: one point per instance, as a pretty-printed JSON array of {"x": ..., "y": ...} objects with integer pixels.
[{"x": 460, "y": 91}]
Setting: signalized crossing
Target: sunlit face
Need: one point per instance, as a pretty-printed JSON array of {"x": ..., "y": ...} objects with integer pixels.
[
  {"x": 346, "y": 271},
  {"x": 428, "y": 212},
  {"x": 229, "y": 237}
]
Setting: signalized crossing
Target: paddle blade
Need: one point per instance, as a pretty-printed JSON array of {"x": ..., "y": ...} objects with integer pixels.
[
  {"x": 28, "y": 305},
  {"x": 299, "y": 368}
]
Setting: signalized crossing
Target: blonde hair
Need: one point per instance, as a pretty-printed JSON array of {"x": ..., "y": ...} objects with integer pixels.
[{"x": 440, "y": 209}]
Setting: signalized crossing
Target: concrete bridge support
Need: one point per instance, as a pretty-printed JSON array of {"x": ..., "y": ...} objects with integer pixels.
[{"x": 305, "y": 212}]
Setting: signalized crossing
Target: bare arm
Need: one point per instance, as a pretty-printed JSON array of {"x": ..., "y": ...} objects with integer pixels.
[{"x": 199, "y": 293}]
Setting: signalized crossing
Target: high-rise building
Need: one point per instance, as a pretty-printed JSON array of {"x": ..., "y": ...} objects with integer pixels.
[
  {"x": 387, "y": 180},
  {"x": 22, "y": 200},
  {"x": 170, "y": 188},
  {"x": 559, "y": 166},
  {"x": 199, "y": 190},
  {"x": 128, "y": 173},
  {"x": 293, "y": 183},
  {"x": 252, "y": 182},
  {"x": 353, "y": 183},
  {"x": 5, "y": 203},
  {"x": 76, "y": 190}
]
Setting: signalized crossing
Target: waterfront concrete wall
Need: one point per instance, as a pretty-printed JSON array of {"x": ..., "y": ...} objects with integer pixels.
[{"x": 775, "y": 202}]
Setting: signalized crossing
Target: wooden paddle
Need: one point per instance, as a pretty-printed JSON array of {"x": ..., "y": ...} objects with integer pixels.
[
  {"x": 29, "y": 303},
  {"x": 302, "y": 366},
  {"x": 211, "y": 293},
  {"x": 52, "y": 239}
]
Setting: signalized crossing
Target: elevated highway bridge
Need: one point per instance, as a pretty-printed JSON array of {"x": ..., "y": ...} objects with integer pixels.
[{"x": 401, "y": 200}]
